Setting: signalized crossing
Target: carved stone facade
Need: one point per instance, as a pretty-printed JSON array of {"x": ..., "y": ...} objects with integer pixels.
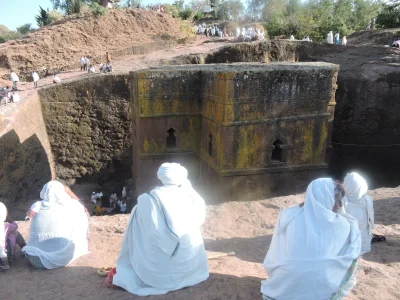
[{"x": 244, "y": 131}]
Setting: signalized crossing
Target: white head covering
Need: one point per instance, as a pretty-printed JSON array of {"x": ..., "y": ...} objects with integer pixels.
[
  {"x": 53, "y": 192},
  {"x": 172, "y": 173},
  {"x": 58, "y": 233},
  {"x": 3, "y": 215},
  {"x": 312, "y": 247},
  {"x": 355, "y": 186},
  {"x": 360, "y": 205}
]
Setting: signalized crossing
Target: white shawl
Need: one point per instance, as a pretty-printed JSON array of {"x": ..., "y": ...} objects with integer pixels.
[
  {"x": 3, "y": 215},
  {"x": 358, "y": 204},
  {"x": 312, "y": 248},
  {"x": 163, "y": 249},
  {"x": 58, "y": 232}
]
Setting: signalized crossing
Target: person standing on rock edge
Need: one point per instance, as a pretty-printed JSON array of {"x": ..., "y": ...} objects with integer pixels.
[
  {"x": 35, "y": 77},
  {"x": 108, "y": 57},
  {"x": 14, "y": 79},
  {"x": 82, "y": 63},
  {"x": 87, "y": 63}
]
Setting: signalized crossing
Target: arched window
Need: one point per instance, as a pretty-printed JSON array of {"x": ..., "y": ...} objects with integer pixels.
[
  {"x": 171, "y": 139},
  {"x": 210, "y": 147},
  {"x": 277, "y": 152}
]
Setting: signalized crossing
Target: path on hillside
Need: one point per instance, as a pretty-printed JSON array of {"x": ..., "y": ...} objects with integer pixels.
[{"x": 121, "y": 65}]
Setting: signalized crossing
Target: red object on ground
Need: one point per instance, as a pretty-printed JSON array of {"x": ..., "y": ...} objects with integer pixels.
[{"x": 109, "y": 279}]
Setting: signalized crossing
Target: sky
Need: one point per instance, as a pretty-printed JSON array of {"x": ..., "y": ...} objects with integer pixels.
[{"x": 18, "y": 12}]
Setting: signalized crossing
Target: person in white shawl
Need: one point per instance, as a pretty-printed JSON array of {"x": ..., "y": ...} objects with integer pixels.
[
  {"x": 358, "y": 204},
  {"x": 163, "y": 249},
  {"x": 3, "y": 255},
  {"x": 314, "y": 249},
  {"x": 58, "y": 232}
]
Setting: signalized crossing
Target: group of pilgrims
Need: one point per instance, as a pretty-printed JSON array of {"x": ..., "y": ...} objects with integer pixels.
[
  {"x": 335, "y": 39},
  {"x": 313, "y": 253},
  {"x": 244, "y": 34}
]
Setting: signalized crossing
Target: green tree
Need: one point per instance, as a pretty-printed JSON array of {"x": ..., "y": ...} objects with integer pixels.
[
  {"x": 313, "y": 17},
  {"x": 198, "y": 5},
  {"x": 134, "y": 3},
  {"x": 24, "y": 29},
  {"x": 42, "y": 19},
  {"x": 70, "y": 7},
  {"x": 179, "y": 4},
  {"x": 389, "y": 17},
  {"x": 254, "y": 9},
  {"x": 230, "y": 9},
  {"x": 186, "y": 14}
]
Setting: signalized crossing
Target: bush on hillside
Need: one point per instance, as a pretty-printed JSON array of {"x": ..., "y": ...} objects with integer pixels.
[
  {"x": 186, "y": 14},
  {"x": 54, "y": 16},
  {"x": 9, "y": 35},
  {"x": 198, "y": 16},
  {"x": 24, "y": 29},
  {"x": 97, "y": 10},
  {"x": 187, "y": 28},
  {"x": 171, "y": 9}
]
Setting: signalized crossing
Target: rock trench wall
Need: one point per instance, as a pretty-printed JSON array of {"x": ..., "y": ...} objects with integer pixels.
[
  {"x": 88, "y": 123},
  {"x": 25, "y": 155},
  {"x": 366, "y": 136},
  {"x": 81, "y": 129}
]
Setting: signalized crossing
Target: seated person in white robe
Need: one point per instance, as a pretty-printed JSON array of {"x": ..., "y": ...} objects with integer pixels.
[
  {"x": 358, "y": 204},
  {"x": 58, "y": 232},
  {"x": 314, "y": 249},
  {"x": 163, "y": 249}
]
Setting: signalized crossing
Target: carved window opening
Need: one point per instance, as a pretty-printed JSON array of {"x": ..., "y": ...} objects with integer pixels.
[
  {"x": 277, "y": 152},
  {"x": 210, "y": 147},
  {"x": 171, "y": 138}
]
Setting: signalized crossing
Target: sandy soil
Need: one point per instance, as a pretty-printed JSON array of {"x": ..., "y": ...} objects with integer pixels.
[{"x": 243, "y": 227}]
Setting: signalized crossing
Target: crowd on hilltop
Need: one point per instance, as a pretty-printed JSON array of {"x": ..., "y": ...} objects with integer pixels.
[{"x": 244, "y": 34}]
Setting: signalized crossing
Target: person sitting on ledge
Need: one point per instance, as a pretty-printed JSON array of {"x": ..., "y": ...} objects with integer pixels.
[
  {"x": 9, "y": 238},
  {"x": 59, "y": 231},
  {"x": 162, "y": 249},
  {"x": 314, "y": 248}
]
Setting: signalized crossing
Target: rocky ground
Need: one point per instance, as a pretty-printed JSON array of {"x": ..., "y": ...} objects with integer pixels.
[
  {"x": 379, "y": 37},
  {"x": 243, "y": 227}
]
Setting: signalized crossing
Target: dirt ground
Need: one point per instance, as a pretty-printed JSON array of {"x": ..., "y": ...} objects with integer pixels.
[
  {"x": 380, "y": 37},
  {"x": 243, "y": 227},
  {"x": 60, "y": 45}
]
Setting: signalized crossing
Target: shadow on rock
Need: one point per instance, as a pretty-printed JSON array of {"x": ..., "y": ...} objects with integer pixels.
[{"x": 24, "y": 167}]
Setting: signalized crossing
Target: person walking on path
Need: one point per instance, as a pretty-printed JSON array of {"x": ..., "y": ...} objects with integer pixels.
[{"x": 35, "y": 77}]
